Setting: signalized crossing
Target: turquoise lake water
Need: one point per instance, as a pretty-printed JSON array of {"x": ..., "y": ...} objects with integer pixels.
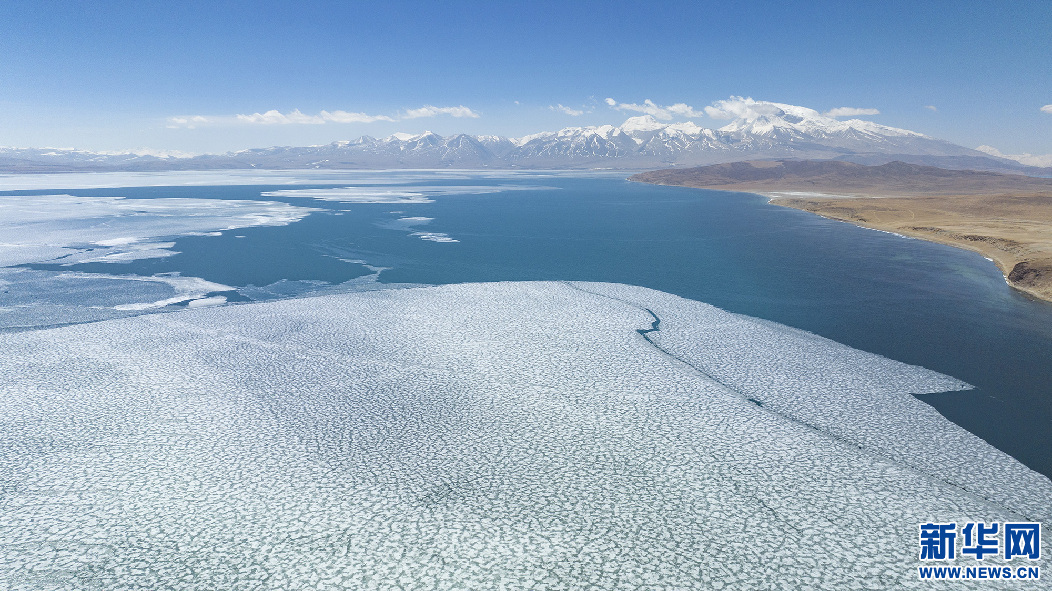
[{"x": 945, "y": 309}]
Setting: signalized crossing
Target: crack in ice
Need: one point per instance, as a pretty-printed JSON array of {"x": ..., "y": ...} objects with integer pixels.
[{"x": 655, "y": 327}]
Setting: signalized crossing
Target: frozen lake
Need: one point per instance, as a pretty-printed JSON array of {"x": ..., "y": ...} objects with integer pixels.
[
  {"x": 405, "y": 379},
  {"x": 499, "y": 435},
  {"x": 233, "y": 236}
]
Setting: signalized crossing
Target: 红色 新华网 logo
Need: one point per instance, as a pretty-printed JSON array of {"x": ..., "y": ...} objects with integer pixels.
[{"x": 1010, "y": 546}]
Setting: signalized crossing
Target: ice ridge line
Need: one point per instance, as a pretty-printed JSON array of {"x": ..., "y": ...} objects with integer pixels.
[{"x": 655, "y": 326}]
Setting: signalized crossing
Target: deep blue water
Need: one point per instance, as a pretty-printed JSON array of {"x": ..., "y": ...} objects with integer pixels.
[{"x": 927, "y": 304}]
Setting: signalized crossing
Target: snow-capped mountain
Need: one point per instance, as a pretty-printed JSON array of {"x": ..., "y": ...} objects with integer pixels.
[{"x": 756, "y": 129}]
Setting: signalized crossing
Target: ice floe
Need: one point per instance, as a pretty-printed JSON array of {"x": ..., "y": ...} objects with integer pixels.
[
  {"x": 856, "y": 397},
  {"x": 434, "y": 236},
  {"x": 111, "y": 180},
  {"x": 475, "y": 436},
  {"x": 37, "y": 228},
  {"x": 193, "y": 291},
  {"x": 409, "y": 223},
  {"x": 69, "y": 230},
  {"x": 31, "y": 298},
  {"x": 398, "y": 194}
]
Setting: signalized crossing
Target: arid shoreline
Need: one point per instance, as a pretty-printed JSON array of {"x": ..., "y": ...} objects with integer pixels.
[
  {"x": 1020, "y": 261},
  {"x": 1005, "y": 218}
]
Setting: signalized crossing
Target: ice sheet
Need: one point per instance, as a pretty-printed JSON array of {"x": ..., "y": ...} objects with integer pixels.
[
  {"x": 37, "y": 228},
  {"x": 859, "y": 398},
  {"x": 486, "y": 436}
]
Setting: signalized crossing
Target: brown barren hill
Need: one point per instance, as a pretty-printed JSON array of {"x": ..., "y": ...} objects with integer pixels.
[{"x": 1005, "y": 217}]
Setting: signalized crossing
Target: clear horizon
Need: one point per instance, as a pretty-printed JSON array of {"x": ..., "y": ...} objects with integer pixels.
[{"x": 199, "y": 78}]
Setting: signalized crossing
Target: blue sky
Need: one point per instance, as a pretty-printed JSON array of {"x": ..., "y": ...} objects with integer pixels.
[{"x": 118, "y": 75}]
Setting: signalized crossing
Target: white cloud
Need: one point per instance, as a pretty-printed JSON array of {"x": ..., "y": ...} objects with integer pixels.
[
  {"x": 431, "y": 111},
  {"x": 738, "y": 107},
  {"x": 297, "y": 117},
  {"x": 850, "y": 112},
  {"x": 189, "y": 122},
  {"x": 347, "y": 117},
  {"x": 275, "y": 117},
  {"x": 564, "y": 109},
  {"x": 1027, "y": 159},
  {"x": 1047, "y": 109},
  {"x": 684, "y": 110},
  {"x": 657, "y": 111},
  {"x": 931, "y": 108}
]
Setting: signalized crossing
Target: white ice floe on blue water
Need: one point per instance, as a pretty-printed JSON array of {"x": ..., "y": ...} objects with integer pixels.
[
  {"x": 199, "y": 178},
  {"x": 356, "y": 195},
  {"x": 415, "y": 220},
  {"x": 434, "y": 236},
  {"x": 192, "y": 291},
  {"x": 405, "y": 223},
  {"x": 476, "y": 436},
  {"x": 410, "y": 223},
  {"x": 70, "y": 230},
  {"x": 395, "y": 194},
  {"x": 32, "y": 299},
  {"x": 112, "y": 180},
  {"x": 40, "y": 228}
]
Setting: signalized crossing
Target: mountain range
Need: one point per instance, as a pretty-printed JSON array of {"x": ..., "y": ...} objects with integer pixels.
[{"x": 774, "y": 131}]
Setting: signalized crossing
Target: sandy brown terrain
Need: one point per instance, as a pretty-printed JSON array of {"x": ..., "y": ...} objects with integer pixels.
[{"x": 1006, "y": 218}]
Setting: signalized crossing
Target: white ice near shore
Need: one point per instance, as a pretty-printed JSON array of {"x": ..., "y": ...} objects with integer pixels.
[
  {"x": 38, "y": 228},
  {"x": 474, "y": 436}
]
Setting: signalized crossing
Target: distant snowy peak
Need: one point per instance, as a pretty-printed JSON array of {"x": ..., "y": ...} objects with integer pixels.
[
  {"x": 642, "y": 124},
  {"x": 763, "y": 121},
  {"x": 762, "y": 118},
  {"x": 427, "y": 136}
]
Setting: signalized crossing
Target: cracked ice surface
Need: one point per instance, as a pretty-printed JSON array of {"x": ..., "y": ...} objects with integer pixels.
[
  {"x": 476, "y": 436},
  {"x": 860, "y": 398}
]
